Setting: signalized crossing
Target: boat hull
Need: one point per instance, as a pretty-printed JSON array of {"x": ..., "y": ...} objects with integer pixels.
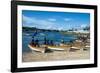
[{"x": 42, "y": 50}]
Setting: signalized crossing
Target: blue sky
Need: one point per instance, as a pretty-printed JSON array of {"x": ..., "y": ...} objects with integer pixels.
[{"x": 55, "y": 20}]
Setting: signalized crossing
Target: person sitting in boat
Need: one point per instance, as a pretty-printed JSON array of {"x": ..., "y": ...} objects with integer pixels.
[
  {"x": 51, "y": 42},
  {"x": 62, "y": 41},
  {"x": 45, "y": 41},
  {"x": 33, "y": 42},
  {"x": 37, "y": 43}
]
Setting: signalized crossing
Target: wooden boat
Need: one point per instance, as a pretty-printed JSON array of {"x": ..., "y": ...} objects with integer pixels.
[
  {"x": 87, "y": 47},
  {"x": 74, "y": 49},
  {"x": 38, "y": 49},
  {"x": 44, "y": 48},
  {"x": 59, "y": 48}
]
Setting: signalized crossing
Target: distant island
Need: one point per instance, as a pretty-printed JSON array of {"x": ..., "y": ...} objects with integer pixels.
[{"x": 73, "y": 31}]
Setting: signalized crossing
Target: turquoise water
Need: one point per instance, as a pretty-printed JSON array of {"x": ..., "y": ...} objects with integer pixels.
[{"x": 55, "y": 36}]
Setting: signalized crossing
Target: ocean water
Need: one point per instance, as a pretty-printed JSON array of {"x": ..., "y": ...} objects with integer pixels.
[{"x": 55, "y": 36}]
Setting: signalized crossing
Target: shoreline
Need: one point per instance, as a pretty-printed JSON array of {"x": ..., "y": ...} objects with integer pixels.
[{"x": 55, "y": 56}]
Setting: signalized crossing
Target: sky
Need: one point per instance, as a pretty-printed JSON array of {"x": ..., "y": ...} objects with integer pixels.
[{"x": 54, "y": 20}]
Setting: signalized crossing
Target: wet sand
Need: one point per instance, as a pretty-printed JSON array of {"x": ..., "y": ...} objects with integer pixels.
[{"x": 33, "y": 56}]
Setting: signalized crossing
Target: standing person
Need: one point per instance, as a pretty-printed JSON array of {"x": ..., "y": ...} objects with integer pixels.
[
  {"x": 45, "y": 41},
  {"x": 33, "y": 41},
  {"x": 35, "y": 33}
]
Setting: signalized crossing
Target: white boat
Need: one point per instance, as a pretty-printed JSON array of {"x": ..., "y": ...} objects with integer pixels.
[
  {"x": 46, "y": 47},
  {"x": 55, "y": 48},
  {"x": 42, "y": 50}
]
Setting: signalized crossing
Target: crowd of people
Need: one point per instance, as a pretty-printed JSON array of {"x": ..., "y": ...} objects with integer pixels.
[{"x": 46, "y": 42}]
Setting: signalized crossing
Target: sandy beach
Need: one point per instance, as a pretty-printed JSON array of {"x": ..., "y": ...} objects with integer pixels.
[{"x": 33, "y": 56}]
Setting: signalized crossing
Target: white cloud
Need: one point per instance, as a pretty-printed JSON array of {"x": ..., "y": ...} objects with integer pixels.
[
  {"x": 27, "y": 19},
  {"x": 60, "y": 28},
  {"x": 67, "y": 19},
  {"x": 39, "y": 23},
  {"x": 83, "y": 25},
  {"x": 52, "y": 19}
]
